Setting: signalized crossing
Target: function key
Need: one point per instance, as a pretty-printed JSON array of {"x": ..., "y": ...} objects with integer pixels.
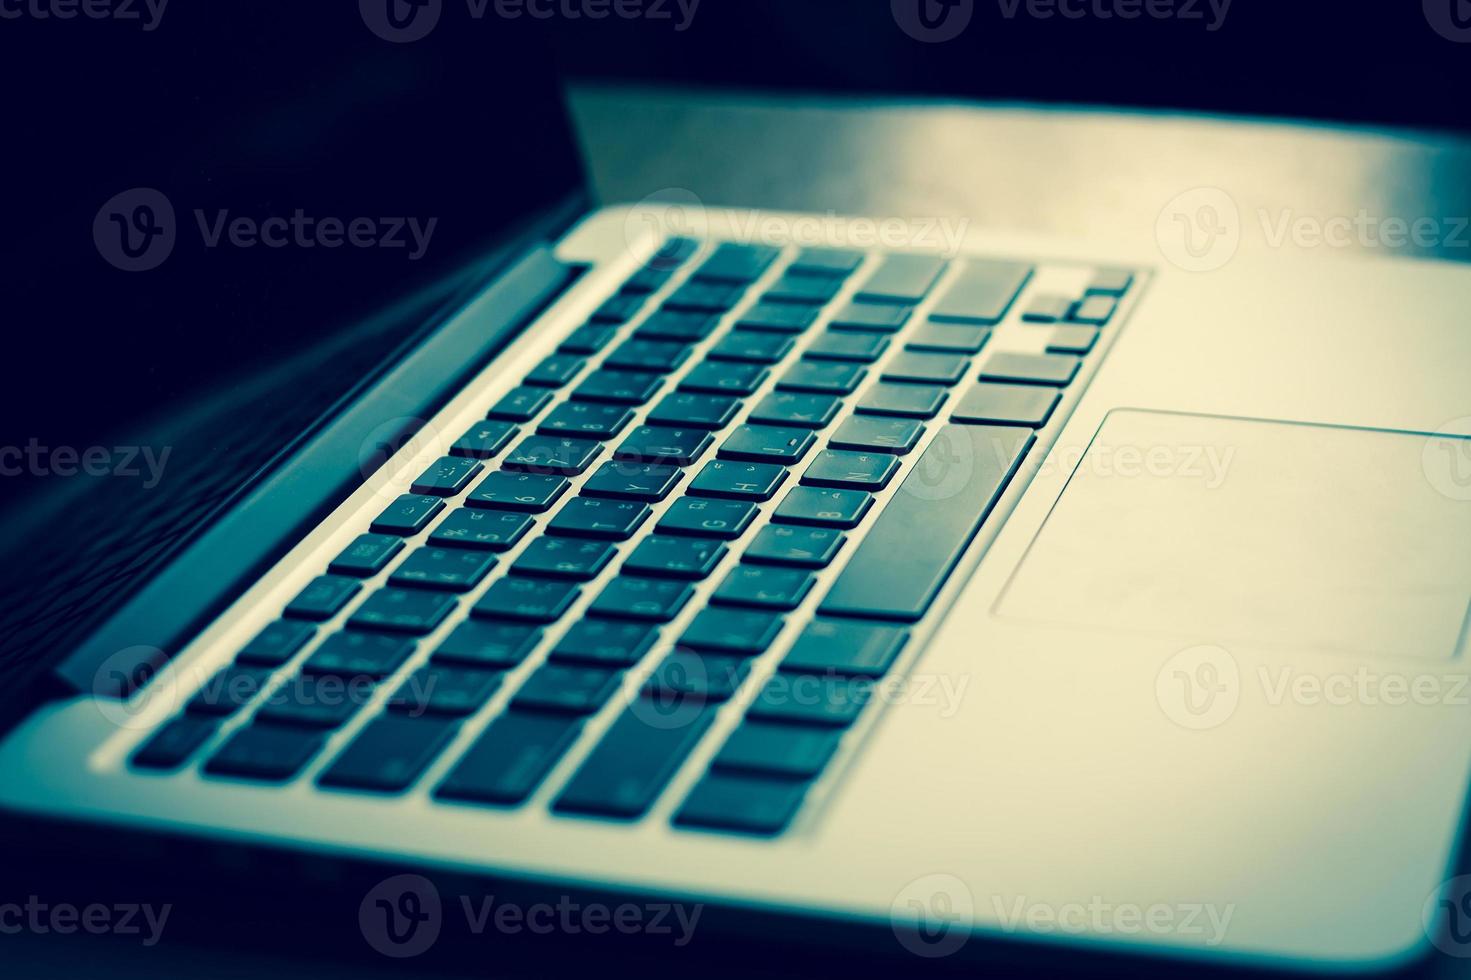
[
  {"x": 555, "y": 371},
  {"x": 724, "y": 378},
  {"x": 926, "y": 367},
  {"x": 695, "y": 410},
  {"x": 533, "y": 600},
  {"x": 852, "y": 471},
  {"x": 765, "y": 587},
  {"x": 1072, "y": 340},
  {"x": 821, "y": 507},
  {"x": 653, "y": 600},
  {"x": 756, "y": 346},
  {"x": 803, "y": 547},
  {"x": 511, "y": 758},
  {"x": 705, "y": 297},
  {"x": 726, "y": 519},
  {"x": 983, "y": 292},
  {"x": 484, "y": 644},
  {"x": 905, "y": 400},
  {"x": 390, "y": 753},
  {"x": 733, "y": 262},
  {"x": 1037, "y": 369},
  {"x": 836, "y": 377},
  {"x": 778, "y": 317},
  {"x": 877, "y": 434},
  {"x": 739, "y": 481},
  {"x": 174, "y": 743},
  {"x": 958, "y": 337},
  {"x": 531, "y": 492},
  {"x": 657, "y": 356},
  {"x": 688, "y": 328},
  {"x": 1094, "y": 310},
  {"x": 816, "y": 290},
  {"x": 620, "y": 387},
  {"x": 408, "y": 515},
  {"x": 743, "y": 804},
  {"x": 618, "y": 309},
  {"x": 553, "y": 454},
  {"x": 768, "y": 444},
  {"x": 565, "y": 558},
  {"x": 836, "y": 262},
  {"x": 521, "y": 404},
  {"x": 881, "y": 317},
  {"x": 484, "y": 439},
  {"x": 441, "y": 689},
  {"x": 368, "y": 555},
  {"x": 494, "y": 530},
  {"x": 1111, "y": 282},
  {"x": 271, "y": 753},
  {"x": 451, "y": 569},
  {"x": 277, "y": 643},
  {"x": 632, "y": 481},
  {"x": 903, "y": 278},
  {"x": 352, "y": 654},
  {"x": 1047, "y": 308},
  {"x": 588, "y": 339},
  {"x": 610, "y": 520},
  {"x": 590, "y": 419},
  {"x": 804, "y": 409},
  {"x": 664, "y": 444},
  {"x": 403, "y": 610},
  {"x": 323, "y": 597},
  {"x": 848, "y": 345},
  {"x": 447, "y": 477}
]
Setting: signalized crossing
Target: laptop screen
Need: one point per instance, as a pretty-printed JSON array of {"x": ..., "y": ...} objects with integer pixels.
[{"x": 221, "y": 218}]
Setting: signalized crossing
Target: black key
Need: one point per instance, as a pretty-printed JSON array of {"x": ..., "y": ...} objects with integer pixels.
[
  {"x": 808, "y": 410},
  {"x": 673, "y": 253},
  {"x": 228, "y": 691},
  {"x": 451, "y": 569},
  {"x": 708, "y": 518},
  {"x": 618, "y": 309},
  {"x": 686, "y": 679},
  {"x": 441, "y": 689},
  {"x": 829, "y": 700},
  {"x": 838, "y": 377},
  {"x": 390, "y": 754},
  {"x": 774, "y": 749},
  {"x": 923, "y": 530},
  {"x": 756, "y": 346},
  {"x": 588, "y": 339},
  {"x": 958, "y": 337},
  {"x": 277, "y": 643},
  {"x": 521, "y": 404},
  {"x": 494, "y": 530},
  {"x": 905, "y": 400},
  {"x": 511, "y": 758},
  {"x": 1094, "y": 310},
  {"x": 555, "y": 371},
  {"x": 739, "y": 632},
  {"x": 743, "y": 804},
  {"x": 530, "y": 492},
  {"x": 649, "y": 279},
  {"x": 174, "y": 743},
  {"x": 848, "y": 345},
  {"x": 317, "y": 701},
  {"x": 352, "y": 654},
  {"x": 664, "y": 444},
  {"x": 1072, "y": 340},
  {"x": 270, "y": 753},
  {"x": 633, "y": 481},
  {"x": 651, "y": 600},
  {"x": 564, "y": 558},
  {"x": 1007, "y": 405},
  {"x": 836, "y": 262},
  {"x": 447, "y": 477},
  {"x": 926, "y": 367},
  {"x": 778, "y": 317},
  {"x": 877, "y": 434},
  {"x": 1047, "y": 308},
  {"x": 529, "y": 599},
  {"x": 804, "y": 547},
  {"x": 673, "y": 325},
  {"x": 816, "y": 290},
  {"x": 1031, "y": 369},
  {"x": 733, "y": 262},
  {"x": 484, "y": 439},
  {"x": 767, "y": 444},
  {"x": 662, "y": 556},
  {"x": 738, "y": 481},
  {"x": 408, "y": 515},
  {"x": 724, "y": 378},
  {"x": 619, "y": 387},
  {"x": 820, "y": 507},
  {"x": 849, "y": 648},
  {"x": 657, "y": 356},
  {"x": 765, "y": 587},
  {"x": 403, "y": 610},
  {"x": 553, "y": 454},
  {"x": 608, "y": 642},
  {"x": 880, "y": 317},
  {"x": 485, "y": 644},
  {"x": 592, "y": 420},
  {"x": 850, "y": 471},
  {"x": 903, "y": 278},
  {"x": 568, "y": 688},
  {"x": 1111, "y": 282},
  {"x": 695, "y": 411},
  {"x": 323, "y": 597},
  {"x": 610, "y": 520},
  {"x": 983, "y": 292},
  {"x": 632, "y": 764},
  {"x": 705, "y": 297}
]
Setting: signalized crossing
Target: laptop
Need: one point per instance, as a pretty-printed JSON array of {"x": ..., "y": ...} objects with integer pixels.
[{"x": 955, "y": 594}]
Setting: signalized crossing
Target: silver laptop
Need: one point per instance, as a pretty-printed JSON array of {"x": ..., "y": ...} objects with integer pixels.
[{"x": 961, "y": 591}]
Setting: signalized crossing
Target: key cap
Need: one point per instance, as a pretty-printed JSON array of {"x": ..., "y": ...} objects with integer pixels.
[
  {"x": 855, "y": 649},
  {"x": 608, "y": 642},
  {"x": 408, "y": 515},
  {"x": 451, "y": 569},
  {"x": 1007, "y": 405},
  {"x": 823, "y": 508},
  {"x": 447, "y": 477},
  {"x": 707, "y": 518},
  {"x": 228, "y": 691},
  {"x": 877, "y": 434},
  {"x": 848, "y": 345},
  {"x": 486, "y": 644},
  {"x": 564, "y": 558},
  {"x": 553, "y": 454},
  {"x": 805, "y": 547},
  {"x": 739, "y": 632},
  {"x": 767, "y": 444},
  {"x": 657, "y": 356},
  {"x": 926, "y": 367},
  {"x": 664, "y": 444},
  {"x": 662, "y": 556},
  {"x": 880, "y": 317},
  {"x": 484, "y": 439},
  {"x": 609, "y": 520},
  {"x": 618, "y": 387},
  {"x": 921, "y": 533},
  {"x": 317, "y": 701},
  {"x": 507, "y": 490},
  {"x": 390, "y": 754},
  {"x": 828, "y": 700},
  {"x": 808, "y": 410},
  {"x": 1057, "y": 370},
  {"x": 174, "y": 743},
  {"x": 755, "y": 346},
  {"x": 835, "y": 262},
  {"x": 905, "y": 400},
  {"x": 1072, "y": 340},
  {"x": 706, "y": 297},
  {"x": 555, "y": 371},
  {"x": 689, "y": 328},
  {"x": 739, "y": 263},
  {"x": 724, "y": 378},
  {"x": 765, "y": 587},
  {"x": 903, "y": 278},
  {"x": 1111, "y": 282},
  {"x": 269, "y": 753},
  {"x": 592, "y": 420},
  {"x": 529, "y": 599},
  {"x": 673, "y": 253},
  {"x": 368, "y": 555},
  {"x": 442, "y": 689},
  {"x": 567, "y": 688},
  {"x": 837, "y": 377},
  {"x": 738, "y": 481},
  {"x": 774, "y": 749},
  {"x": 403, "y": 610},
  {"x": 323, "y": 597},
  {"x": 511, "y": 758},
  {"x": 648, "y": 280},
  {"x": 686, "y": 679},
  {"x": 352, "y": 654},
  {"x": 631, "y": 766},
  {"x": 633, "y": 481},
  {"x": 816, "y": 290},
  {"x": 1094, "y": 310},
  {"x": 277, "y": 643},
  {"x": 778, "y": 317},
  {"x": 744, "y": 804},
  {"x": 983, "y": 292},
  {"x": 687, "y": 409},
  {"x": 652, "y": 600},
  {"x": 588, "y": 339},
  {"x": 618, "y": 309},
  {"x": 958, "y": 337},
  {"x": 846, "y": 470},
  {"x": 493, "y": 530},
  {"x": 1047, "y": 308},
  {"x": 521, "y": 404}
]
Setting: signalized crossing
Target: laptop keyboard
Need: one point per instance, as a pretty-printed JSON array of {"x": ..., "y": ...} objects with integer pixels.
[{"x": 683, "y": 503}]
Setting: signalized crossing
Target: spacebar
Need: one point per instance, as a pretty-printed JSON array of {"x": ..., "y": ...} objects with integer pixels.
[{"x": 904, "y": 561}]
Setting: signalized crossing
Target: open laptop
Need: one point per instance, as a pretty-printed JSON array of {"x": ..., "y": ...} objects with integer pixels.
[{"x": 1020, "y": 592}]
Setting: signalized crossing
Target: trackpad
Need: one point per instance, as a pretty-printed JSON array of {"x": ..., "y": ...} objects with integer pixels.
[{"x": 1271, "y": 533}]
